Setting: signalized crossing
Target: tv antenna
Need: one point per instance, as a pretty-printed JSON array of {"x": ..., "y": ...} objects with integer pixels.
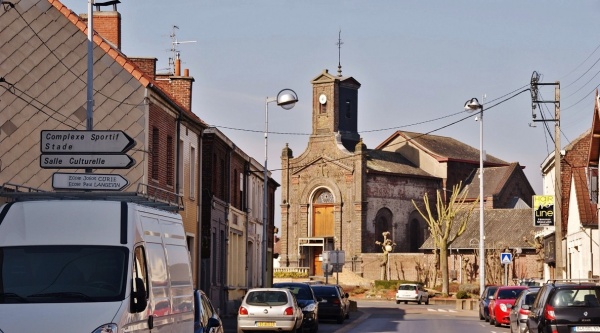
[{"x": 174, "y": 49}]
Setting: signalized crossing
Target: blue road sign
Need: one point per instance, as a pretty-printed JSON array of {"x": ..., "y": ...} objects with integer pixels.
[{"x": 506, "y": 258}]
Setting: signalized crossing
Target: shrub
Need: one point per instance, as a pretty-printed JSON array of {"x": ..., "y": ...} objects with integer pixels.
[
  {"x": 461, "y": 294},
  {"x": 294, "y": 275},
  {"x": 469, "y": 288}
]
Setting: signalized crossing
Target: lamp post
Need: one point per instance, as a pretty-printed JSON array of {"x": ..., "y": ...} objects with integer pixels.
[
  {"x": 286, "y": 98},
  {"x": 473, "y": 105}
]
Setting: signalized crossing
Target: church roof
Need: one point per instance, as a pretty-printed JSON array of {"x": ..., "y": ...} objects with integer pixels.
[
  {"x": 440, "y": 147},
  {"x": 495, "y": 179},
  {"x": 503, "y": 228},
  {"x": 391, "y": 162}
]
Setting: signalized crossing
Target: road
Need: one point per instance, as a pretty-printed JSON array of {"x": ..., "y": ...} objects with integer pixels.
[{"x": 386, "y": 316}]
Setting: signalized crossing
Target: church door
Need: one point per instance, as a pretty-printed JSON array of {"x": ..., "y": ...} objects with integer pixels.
[
  {"x": 317, "y": 264},
  {"x": 323, "y": 221}
]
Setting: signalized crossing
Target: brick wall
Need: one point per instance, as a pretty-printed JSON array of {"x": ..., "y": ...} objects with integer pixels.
[{"x": 147, "y": 65}]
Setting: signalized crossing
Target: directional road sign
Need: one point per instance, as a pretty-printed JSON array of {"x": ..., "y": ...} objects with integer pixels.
[
  {"x": 88, "y": 181},
  {"x": 83, "y": 161},
  {"x": 85, "y": 142},
  {"x": 506, "y": 258}
]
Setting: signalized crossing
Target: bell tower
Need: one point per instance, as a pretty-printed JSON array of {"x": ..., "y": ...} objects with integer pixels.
[{"x": 335, "y": 108}]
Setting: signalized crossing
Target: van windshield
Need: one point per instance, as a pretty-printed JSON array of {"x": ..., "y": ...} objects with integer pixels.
[{"x": 62, "y": 274}]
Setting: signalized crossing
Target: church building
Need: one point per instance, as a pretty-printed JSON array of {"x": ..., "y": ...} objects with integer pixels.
[{"x": 339, "y": 195}]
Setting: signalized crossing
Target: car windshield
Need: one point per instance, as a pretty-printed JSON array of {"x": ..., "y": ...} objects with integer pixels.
[
  {"x": 270, "y": 298},
  {"x": 52, "y": 274},
  {"x": 301, "y": 292},
  {"x": 577, "y": 297},
  {"x": 325, "y": 292},
  {"x": 491, "y": 291},
  {"x": 407, "y": 287},
  {"x": 509, "y": 293}
]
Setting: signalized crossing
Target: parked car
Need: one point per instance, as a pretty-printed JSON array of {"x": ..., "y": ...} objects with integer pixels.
[
  {"x": 335, "y": 303},
  {"x": 206, "y": 319},
  {"x": 501, "y": 303},
  {"x": 412, "y": 292},
  {"x": 520, "y": 310},
  {"x": 565, "y": 308},
  {"x": 484, "y": 302},
  {"x": 269, "y": 309},
  {"x": 308, "y": 302}
]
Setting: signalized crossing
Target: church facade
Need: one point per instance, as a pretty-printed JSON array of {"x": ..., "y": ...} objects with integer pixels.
[{"x": 339, "y": 195}]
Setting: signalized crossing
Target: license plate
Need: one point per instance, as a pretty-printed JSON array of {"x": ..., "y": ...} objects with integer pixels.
[
  {"x": 586, "y": 329},
  {"x": 265, "y": 324}
]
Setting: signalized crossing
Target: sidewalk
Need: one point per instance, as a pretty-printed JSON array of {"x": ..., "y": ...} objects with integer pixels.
[{"x": 229, "y": 323}]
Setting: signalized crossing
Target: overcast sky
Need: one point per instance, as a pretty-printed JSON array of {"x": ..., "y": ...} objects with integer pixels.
[{"x": 417, "y": 61}]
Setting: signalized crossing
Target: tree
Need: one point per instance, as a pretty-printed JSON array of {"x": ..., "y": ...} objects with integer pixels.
[{"x": 447, "y": 223}]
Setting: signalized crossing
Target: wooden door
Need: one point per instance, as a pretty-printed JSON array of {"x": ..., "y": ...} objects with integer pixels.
[
  {"x": 317, "y": 265},
  {"x": 323, "y": 221}
]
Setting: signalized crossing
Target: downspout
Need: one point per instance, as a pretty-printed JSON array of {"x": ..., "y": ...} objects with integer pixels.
[
  {"x": 246, "y": 212},
  {"x": 200, "y": 196}
]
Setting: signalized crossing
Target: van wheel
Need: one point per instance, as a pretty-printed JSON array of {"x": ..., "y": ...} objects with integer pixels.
[
  {"x": 405, "y": 302},
  {"x": 397, "y": 302}
]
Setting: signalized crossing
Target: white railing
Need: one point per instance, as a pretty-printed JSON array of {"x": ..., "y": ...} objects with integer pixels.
[{"x": 301, "y": 270}]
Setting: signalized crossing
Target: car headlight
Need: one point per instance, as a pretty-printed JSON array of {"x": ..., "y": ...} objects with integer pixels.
[
  {"x": 503, "y": 307},
  {"x": 309, "y": 308},
  {"x": 106, "y": 328}
]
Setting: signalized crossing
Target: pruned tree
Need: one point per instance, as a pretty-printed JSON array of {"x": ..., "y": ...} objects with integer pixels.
[{"x": 445, "y": 224}]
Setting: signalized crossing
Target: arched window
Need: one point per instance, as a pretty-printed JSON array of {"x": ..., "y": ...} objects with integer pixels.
[{"x": 383, "y": 223}]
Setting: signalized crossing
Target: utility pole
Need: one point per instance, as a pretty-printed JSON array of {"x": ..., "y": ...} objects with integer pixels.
[{"x": 559, "y": 274}]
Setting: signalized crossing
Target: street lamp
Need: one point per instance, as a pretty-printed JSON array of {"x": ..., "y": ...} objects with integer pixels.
[
  {"x": 286, "y": 98},
  {"x": 473, "y": 105}
]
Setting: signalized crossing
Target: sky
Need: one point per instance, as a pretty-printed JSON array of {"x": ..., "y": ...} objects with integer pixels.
[{"x": 418, "y": 62}]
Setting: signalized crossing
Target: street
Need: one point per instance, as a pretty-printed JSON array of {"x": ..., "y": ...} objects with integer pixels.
[{"x": 387, "y": 316}]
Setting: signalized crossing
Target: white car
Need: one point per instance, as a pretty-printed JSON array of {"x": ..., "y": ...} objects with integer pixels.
[{"x": 412, "y": 292}]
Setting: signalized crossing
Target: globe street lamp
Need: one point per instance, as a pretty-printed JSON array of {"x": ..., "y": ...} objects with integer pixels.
[
  {"x": 286, "y": 98},
  {"x": 473, "y": 105}
]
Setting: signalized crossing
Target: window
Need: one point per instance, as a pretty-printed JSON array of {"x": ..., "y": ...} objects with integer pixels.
[
  {"x": 192, "y": 172},
  {"x": 140, "y": 271},
  {"x": 180, "y": 166},
  {"x": 593, "y": 183},
  {"x": 155, "y": 150}
]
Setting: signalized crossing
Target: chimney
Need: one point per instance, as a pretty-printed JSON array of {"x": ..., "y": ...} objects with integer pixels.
[{"x": 108, "y": 25}]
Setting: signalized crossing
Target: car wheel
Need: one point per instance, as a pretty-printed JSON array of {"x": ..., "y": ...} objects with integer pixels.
[
  {"x": 397, "y": 302},
  {"x": 405, "y": 302},
  {"x": 427, "y": 301},
  {"x": 481, "y": 317},
  {"x": 340, "y": 318},
  {"x": 419, "y": 301},
  {"x": 497, "y": 324},
  {"x": 491, "y": 320}
]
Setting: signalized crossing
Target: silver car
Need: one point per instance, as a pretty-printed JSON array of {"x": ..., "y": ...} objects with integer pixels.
[
  {"x": 520, "y": 311},
  {"x": 269, "y": 309}
]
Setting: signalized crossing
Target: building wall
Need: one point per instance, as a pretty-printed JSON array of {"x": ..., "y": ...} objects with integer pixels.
[{"x": 395, "y": 193}]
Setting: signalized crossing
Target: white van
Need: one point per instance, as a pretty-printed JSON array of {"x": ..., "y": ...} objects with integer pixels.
[{"x": 93, "y": 266}]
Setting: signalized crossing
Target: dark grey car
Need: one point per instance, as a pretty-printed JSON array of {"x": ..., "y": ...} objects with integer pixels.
[
  {"x": 520, "y": 311},
  {"x": 484, "y": 302}
]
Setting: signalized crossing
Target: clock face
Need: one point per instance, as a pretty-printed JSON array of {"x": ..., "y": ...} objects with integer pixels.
[{"x": 323, "y": 99}]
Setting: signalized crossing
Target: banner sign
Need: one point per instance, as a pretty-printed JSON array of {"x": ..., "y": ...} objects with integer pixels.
[{"x": 543, "y": 210}]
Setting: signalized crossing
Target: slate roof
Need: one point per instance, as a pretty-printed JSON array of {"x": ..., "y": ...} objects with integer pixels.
[
  {"x": 503, "y": 228},
  {"x": 390, "y": 162},
  {"x": 495, "y": 179},
  {"x": 442, "y": 147}
]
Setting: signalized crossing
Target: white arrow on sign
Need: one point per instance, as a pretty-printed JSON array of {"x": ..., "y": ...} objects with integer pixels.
[
  {"x": 88, "y": 181},
  {"x": 85, "y": 142},
  {"x": 83, "y": 161}
]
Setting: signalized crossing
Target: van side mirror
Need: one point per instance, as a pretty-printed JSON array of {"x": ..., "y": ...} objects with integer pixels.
[
  {"x": 138, "y": 297},
  {"x": 212, "y": 322}
]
